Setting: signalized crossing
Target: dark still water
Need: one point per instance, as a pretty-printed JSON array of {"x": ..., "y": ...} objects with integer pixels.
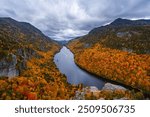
[{"x": 64, "y": 61}]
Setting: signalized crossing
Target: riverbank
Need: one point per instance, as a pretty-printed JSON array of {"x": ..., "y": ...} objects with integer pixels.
[
  {"x": 86, "y": 92},
  {"x": 114, "y": 65},
  {"x": 74, "y": 74},
  {"x": 107, "y": 80},
  {"x": 41, "y": 80}
]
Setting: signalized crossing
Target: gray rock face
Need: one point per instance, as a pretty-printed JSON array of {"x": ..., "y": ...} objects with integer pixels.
[
  {"x": 109, "y": 86},
  {"x": 80, "y": 95},
  {"x": 93, "y": 89},
  {"x": 127, "y": 50},
  {"x": 123, "y": 34},
  {"x": 8, "y": 66}
]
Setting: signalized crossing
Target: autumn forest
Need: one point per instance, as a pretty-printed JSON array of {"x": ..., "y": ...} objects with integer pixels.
[{"x": 119, "y": 53}]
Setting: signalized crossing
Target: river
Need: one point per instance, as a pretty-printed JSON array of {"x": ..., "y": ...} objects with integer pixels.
[{"x": 64, "y": 61}]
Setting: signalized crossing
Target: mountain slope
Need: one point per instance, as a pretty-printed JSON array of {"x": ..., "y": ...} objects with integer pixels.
[
  {"x": 121, "y": 34},
  {"x": 119, "y": 52},
  {"x": 21, "y": 40},
  {"x": 22, "y": 32},
  {"x": 27, "y": 70}
]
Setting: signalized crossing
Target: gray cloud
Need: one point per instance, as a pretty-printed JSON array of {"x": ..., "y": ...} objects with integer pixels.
[{"x": 66, "y": 19}]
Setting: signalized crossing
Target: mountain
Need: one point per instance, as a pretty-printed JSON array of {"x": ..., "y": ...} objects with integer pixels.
[
  {"x": 126, "y": 22},
  {"x": 118, "y": 52},
  {"x": 122, "y": 34},
  {"x": 22, "y": 32},
  {"x": 121, "y": 23},
  {"x": 19, "y": 41},
  {"x": 27, "y": 70}
]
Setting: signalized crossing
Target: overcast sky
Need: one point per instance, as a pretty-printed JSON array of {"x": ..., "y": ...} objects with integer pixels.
[{"x": 67, "y": 19}]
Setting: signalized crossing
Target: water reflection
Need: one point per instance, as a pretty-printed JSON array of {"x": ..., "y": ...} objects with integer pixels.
[{"x": 64, "y": 60}]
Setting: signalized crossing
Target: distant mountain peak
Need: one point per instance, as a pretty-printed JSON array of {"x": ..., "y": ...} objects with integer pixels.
[
  {"x": 6, "y": 18},
  {"x": 127, "y": 22},
  {"x": 22, "y": 32},
  {"x": 24, "y": 27},
  {"x": 120, "y": 21}
]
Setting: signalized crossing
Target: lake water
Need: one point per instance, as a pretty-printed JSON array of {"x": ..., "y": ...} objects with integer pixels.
[{"x": 64, "y": 61}]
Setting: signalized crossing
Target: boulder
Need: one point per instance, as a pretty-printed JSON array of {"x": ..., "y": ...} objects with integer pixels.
[
  {"x": 93, "y": 89},
  {"x": 109, "y": 86}
]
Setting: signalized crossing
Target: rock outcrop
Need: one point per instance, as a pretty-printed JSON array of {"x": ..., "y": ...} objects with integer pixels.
[
  {"x": 80, "y": 95},
  {"x": 19, "y": 42},
  {"x": 112, "y": 87},
  {"x": 8, "y": 66}
]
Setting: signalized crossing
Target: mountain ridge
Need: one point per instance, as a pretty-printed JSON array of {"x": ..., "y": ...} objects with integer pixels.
[
  {"x": 130, "y": 36},
  {"x": 119, "y": 52},
  {"x": 20, "y": 41},
  {"x": 27, "y": 69},
  {"x": 119, "y": 22}
]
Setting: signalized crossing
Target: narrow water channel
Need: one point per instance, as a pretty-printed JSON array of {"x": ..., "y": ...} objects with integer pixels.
[{"x": 64, "y": 61}]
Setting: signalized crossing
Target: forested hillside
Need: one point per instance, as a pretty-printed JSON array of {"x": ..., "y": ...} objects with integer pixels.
[
  {"x": 27, "y": 70},
  {"x": 119, "y": 52}
]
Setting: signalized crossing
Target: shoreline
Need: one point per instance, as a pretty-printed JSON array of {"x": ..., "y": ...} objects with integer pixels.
[{"x": 146, "y": 94}]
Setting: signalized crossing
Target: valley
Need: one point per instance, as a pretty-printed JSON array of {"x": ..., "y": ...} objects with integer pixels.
[{"x": 27, "y": 70}]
